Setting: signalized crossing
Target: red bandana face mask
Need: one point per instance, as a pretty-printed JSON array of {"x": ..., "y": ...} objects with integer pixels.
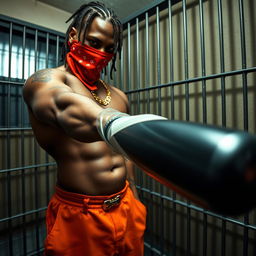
[{"x": 86, "y": 63}]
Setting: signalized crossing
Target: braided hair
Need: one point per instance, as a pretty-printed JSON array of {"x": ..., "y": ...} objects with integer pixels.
[{"x": 83, "y": 17}]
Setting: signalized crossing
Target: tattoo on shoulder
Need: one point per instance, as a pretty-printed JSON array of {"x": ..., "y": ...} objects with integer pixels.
[{"x": 42, "y": 76}]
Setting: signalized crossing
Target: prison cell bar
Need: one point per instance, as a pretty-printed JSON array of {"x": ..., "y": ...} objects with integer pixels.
[
  {"x": 47, "y": 178},
  {"x": 170, "y": 23},
  {"x": 22, "y": 147},
  {"x": 8, "y": 141},
  {"x": 150, "y": 214},
  {"x": 161, "y": 208},
  {"x": 223, "y": 105},
  {"x": 245, "y": 104},
  {"x": 203, "y": 71}
]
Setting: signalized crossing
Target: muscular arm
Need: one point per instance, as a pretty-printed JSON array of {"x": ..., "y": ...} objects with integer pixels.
[{"x": 53, "y": 102}]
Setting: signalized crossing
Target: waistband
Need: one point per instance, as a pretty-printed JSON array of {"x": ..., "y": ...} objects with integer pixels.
[{"x": 86, "y": 201}]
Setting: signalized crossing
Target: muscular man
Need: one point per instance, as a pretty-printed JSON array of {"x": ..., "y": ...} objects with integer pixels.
[{"x": 95, "y": 210}]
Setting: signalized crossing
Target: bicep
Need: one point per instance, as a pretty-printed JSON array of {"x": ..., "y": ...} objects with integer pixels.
[{"x": 40, "y": 99}]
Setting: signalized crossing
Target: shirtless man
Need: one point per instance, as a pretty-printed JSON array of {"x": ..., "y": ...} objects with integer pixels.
[{"x": 94, "y": 211}]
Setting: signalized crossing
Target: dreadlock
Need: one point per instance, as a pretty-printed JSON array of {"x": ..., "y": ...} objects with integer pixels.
[{"x": 83, "y": 17}]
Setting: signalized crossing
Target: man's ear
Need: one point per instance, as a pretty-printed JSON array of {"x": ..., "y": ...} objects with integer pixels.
[{"x": 73, "y": 35}]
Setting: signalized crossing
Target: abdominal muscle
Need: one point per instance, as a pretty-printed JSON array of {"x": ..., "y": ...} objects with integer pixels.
[{"x": 92, "y": 169}]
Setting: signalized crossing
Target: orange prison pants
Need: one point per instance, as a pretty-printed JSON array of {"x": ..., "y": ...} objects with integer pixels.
[{"x": 80, "y": 225}]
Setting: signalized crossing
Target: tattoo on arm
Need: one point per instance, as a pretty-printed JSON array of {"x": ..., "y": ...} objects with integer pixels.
[{"x": 42, "y": 76}]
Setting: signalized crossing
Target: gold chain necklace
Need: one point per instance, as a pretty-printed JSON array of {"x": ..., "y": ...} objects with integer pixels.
[{"x": 105, "y": 101}]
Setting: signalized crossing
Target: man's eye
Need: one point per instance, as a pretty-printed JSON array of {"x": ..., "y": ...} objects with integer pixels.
[{"x": 93, "y": 43}]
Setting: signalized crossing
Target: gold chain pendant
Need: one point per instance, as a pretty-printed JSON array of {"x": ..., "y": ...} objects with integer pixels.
[{"x": 105, "y": 101}]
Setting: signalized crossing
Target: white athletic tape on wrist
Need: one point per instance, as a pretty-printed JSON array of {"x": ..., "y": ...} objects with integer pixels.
[{"x": 111, "y": 121}]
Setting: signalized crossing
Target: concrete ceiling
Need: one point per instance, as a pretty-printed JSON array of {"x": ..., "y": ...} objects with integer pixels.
[{"x": 123, "y": 8}]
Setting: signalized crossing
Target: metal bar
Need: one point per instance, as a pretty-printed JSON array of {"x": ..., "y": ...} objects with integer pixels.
[
  {"x": 223, "y": 106},
  {"x": 147, "y": 61},
  {"x": 36, "y": 159},
  {"x": 158, "y": 58},
  {"x": 174, "y": 231},
  {"x": 243, "y": 53},
  {"x": 27, "y": 167},
  {"x": 15, "y": 129},
  {"x": 47, "y": 51},
  {"x": 129, "y": 57},
  {"x": 22, "y": 214},
  {"x": 8, "y": 144},
  {"x": 196, "y": 79},
  {"x": 36, "y": 252},
  {"x": 159, "y": 112},
  {"x": 198, "y": 209},
  {"x": 184, "y": 13},
  {"x": 171, "y": 55},
  {"x": 47, "y": 178},
  {"x": 201, "y": 11},
  {"x": 150, "y": 214},
  {"x": 12, "y": 82},
  {"x": 202, "y": 41},
  {"x": 122, "y": 70},
  {"x": 222, "y": 63},
  {"x": 245, "y": 105},
  {"x": 138, "y": 67},
  {"x": 36, "y": 41},
  {"x": 57, "y": 49},
  {"x": 22, "y": 147}
]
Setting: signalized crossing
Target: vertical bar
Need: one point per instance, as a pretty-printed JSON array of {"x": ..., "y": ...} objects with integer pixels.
[
  {"x": 108, "y": 73},
  {"x": 36, "y": 160},
  {"x": 245, "y": 105},
  {"x": 138, "y": 69},
  {"x": 8, "y": 145},
  {"x": 114, "y": 78},
  {"x": 22, "y": 145},
  {"x": 223, "y": 106},
  {"x": 201, "y": 14},
  {"x": 147, "y": 62},
  {"x": 47, "y": 51},
  {"x": 201, "y": 11},
  {"x": 122, "y": 70},
  {"x": 222, "y": 63},
  {"x": 158, "y": 59},
  {"x": 172, "y": 117},
  {"x": 184, "y": 12},
  {"x": 243, "y": 53},
  {"x": 160, "y": 112},
  {"x": 47, "y": 179},
  {"x": 171, "y": 55},
  {"x": 150, "y": 213},
  {"x": 129, "y": 57},
  {"x": 57, "y": 49}
]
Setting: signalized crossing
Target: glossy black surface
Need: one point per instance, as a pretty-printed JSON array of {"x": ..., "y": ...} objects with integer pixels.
[{"x": 209, "y": 162}]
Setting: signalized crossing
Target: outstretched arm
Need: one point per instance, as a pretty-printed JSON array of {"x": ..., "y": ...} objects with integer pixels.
[{"x": 53, "y": 102}]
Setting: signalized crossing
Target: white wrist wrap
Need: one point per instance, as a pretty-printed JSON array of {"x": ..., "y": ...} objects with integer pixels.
[{"x": 111, "y": 121}]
